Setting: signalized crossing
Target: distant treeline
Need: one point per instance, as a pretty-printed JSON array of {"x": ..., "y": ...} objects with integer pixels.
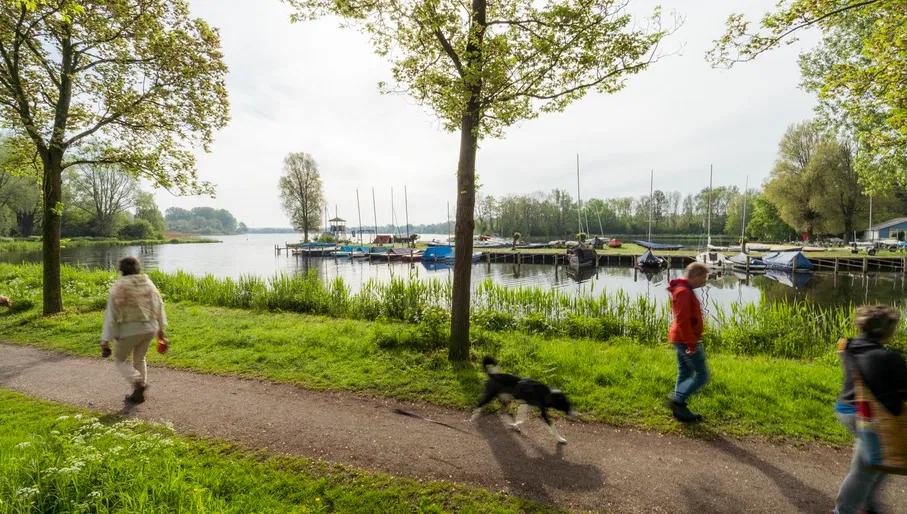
[{"x": 203, "y": 221}]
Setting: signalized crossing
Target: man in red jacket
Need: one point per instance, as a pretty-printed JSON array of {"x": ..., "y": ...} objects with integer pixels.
[{"x": 685, "y": 334}]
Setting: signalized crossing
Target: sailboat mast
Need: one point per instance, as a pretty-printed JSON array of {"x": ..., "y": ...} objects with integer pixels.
[
  {"x": 709, "y": 219},
  {"x": 745, "y": 198},
  {"x": 375, "y": 213},
  {"x": 651, "y": 203},
  {"x": 872, "y": 235},
  {"x": 406, "y": 206},
  {"x": 579, "y": 200},
  {"x": 359, "y": 213},
  {"x": 448, "y": 222},
  {"x": 394, "y": 215}
]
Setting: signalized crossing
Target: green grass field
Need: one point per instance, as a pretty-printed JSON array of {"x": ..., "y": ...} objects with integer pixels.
[
  {"x": 55, "y": 458},
  {"x": 618, "y": 381}
]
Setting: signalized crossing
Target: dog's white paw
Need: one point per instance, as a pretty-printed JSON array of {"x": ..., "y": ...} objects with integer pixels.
[
  {"x": 475, "y": 415},
  {"x": 561, "y": 440},
  {"x": 514, "y": 426}
]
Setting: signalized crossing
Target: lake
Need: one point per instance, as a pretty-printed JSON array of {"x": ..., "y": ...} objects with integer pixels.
[{"x": 253, "y": 254}]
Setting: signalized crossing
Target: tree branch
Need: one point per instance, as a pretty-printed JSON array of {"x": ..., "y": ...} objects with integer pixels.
[{"x": 769, "y": 43}]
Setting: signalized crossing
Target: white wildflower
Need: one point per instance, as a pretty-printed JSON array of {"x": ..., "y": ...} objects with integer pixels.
[
  {"x": 26, "y": 492},
  {"x": 23, "y": 445}
]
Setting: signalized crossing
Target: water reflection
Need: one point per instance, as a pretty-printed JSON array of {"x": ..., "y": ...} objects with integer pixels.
[{"x": 253, "y": 254}]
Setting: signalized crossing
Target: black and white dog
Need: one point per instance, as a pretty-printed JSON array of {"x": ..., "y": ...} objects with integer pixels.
[{"x": 528, "y": 392}]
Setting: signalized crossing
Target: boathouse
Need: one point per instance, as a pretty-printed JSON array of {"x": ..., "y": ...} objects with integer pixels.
[
  {"x": 337, "y": 229},
  {"x": 892, "y": 229}
]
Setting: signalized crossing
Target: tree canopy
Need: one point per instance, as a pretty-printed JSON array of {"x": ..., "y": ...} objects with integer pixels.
[
  {"x": 482, "y": 66},
  {"x": 301, "y": 193},
  {"x": 133, "y": 83},
  {"x": 858, "y": 71}
]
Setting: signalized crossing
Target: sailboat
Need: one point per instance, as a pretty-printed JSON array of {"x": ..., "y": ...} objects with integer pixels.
[
  {"x": 648, "y": 261},
  {"x": 712, "y": 257},
  {"x": 581, "y": 255},
  {"x": 743, "y": 261}
]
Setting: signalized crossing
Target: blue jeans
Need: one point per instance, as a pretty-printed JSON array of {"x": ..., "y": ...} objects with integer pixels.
[
  {"x": 692, "y": 372},
  {"x": 860, "y": 488}
]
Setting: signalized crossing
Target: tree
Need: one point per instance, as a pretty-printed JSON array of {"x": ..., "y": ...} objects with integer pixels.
[
  {"x": 132, "y": 83},
  {"x": 301, "y": 193},
  {"x": 836, "y": 188},
  {"x": 482, "y": 66},
  {"x": 146, "y": 209},
  {"x": 103, "y": 192},
  {"x": 790, "y": 187},
  {"x": 858, "y": 71},
  {"x": 735, "y": 211},
  {"x": 766, "y": 224},
  {"x": 138, "y": 229},
  {"x": 19, "y": 187}
]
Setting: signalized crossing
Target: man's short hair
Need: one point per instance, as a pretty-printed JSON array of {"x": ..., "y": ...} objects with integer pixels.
[
  {"x": 696, "y": 269},
  {"x": 876, "y": 321}
]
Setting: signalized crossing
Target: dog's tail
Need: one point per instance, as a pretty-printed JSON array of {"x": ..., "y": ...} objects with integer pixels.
[{"x": 490, "y": 365}]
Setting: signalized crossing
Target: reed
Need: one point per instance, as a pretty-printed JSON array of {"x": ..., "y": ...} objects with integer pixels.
[{"x": 797, "y": 330}]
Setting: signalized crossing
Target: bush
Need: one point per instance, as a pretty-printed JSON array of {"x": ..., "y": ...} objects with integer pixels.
[{"x": 138, "y": 229}]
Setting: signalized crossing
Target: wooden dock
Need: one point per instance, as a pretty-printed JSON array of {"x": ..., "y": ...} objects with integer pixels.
[{"x": 856, "y": 263}]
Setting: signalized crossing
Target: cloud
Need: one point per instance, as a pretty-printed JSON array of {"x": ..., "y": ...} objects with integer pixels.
[{"x": 312, "y": 87}]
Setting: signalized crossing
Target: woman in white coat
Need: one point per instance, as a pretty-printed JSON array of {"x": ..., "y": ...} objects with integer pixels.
[{"x": 134, "y": 316}]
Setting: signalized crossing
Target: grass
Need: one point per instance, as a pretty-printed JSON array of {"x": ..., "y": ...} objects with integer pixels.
[
  {"x": 33, "y": 245},
  {"x": 778, "y": 329},
  {"x": 59, "y": 459},
  {"x": 619, "y": 381}
]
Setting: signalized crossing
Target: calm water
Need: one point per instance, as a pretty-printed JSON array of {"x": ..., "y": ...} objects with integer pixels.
[{"x": 253, "y": 254}]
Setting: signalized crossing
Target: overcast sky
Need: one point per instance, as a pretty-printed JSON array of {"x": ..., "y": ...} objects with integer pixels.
[{"x": 312, "y": 87}]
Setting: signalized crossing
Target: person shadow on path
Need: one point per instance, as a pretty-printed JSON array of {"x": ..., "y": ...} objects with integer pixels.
[
  {"x": 803, "y": 497},
  {"x": 8, "y": 372},
  {"x": 530, "y": 470}
]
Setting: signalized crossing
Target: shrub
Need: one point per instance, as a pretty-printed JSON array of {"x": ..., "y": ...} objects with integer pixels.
[{"x": 139, "y": 229}]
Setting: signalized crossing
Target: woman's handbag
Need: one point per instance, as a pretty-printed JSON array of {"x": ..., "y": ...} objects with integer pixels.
[{"x": 882, "y": 434}]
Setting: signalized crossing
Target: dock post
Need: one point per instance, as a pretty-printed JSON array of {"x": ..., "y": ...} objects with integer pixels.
[
  {"x": 747, "y": 266},
  {"x": 865, "y": 265},
  {"x": 836, "y": 264}
]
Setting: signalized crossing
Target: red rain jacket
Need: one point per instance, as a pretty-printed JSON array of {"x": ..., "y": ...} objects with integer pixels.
[{"x": 687, "y": 325}]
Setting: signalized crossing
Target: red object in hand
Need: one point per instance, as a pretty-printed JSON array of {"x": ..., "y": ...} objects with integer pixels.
[{"x": 162, "y": 345}]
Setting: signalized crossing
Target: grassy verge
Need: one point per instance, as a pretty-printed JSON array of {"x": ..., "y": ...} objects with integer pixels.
[
  {"x": 33, "y": 245},
  {"x": 619, "y": 381},
  {"x": 58, "y": 459}
]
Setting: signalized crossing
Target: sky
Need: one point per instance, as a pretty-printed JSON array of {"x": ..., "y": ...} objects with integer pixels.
[{"x": 312, "y": 87}]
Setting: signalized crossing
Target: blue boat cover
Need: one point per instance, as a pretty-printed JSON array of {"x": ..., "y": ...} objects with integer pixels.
[
  {"x": 786, "y": 260},
  {"x": 438, "y": 253},
  {"x": 657, "y": 246}
]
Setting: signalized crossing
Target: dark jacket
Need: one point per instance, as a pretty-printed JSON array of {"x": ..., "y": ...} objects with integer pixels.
[
  {"x": 686, "y": 326},
  {"x": 884, "y": 372}
]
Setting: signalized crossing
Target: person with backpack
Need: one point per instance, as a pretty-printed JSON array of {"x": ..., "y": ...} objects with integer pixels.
[
  {"x": 134, "y": 316},
  {"x": 685, "y": 334},
  {"x": 884, "y": 373}
]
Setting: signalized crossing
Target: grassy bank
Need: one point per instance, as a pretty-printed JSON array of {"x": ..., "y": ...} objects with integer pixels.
[
  {"x": 34, "y": 245},
  {"x": 58, "y": 459},
  {"x": 619, "y": 381},
  {"x": 788, "y": 330}
]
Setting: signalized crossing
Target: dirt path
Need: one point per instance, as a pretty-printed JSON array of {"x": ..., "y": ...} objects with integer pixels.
[{"x": 601, "y": 469}]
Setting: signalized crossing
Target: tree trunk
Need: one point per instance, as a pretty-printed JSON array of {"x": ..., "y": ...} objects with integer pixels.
[
  {"x": 25, "y": 223},
  {"x": 466, "y": 187},
  {"x": 466, "y": 194},
  {"x": 53, "y": 202}
]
